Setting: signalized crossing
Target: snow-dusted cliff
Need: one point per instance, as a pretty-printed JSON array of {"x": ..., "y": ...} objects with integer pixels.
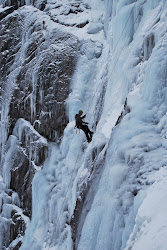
[{"x": 107, "y": 58}]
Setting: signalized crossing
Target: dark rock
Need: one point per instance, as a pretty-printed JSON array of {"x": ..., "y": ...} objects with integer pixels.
[
  {"x": 83, "y": 24},
  {"x": 36, "y": 69},
  {"x": 31, "y": 152},
  {"x": 17, "y": 226},
  {"x": 10, "y": 38},
  {"x": 123, "y": 113},
  {"x": 17, "y": 247},
  {"x": 42, "y": 6},
  {"x": 21, "y": 180},
  {"x": 52, "y": 74},
  {"x": 7, "y": 12}
]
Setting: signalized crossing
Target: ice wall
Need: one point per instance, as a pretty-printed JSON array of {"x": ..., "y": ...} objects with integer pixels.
[
  {"x": 99, "y": 195},
  {"x": 101, "y": 199},
  {"x": 136, "y": 149}
]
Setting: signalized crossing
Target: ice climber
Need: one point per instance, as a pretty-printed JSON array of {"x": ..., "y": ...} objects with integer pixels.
[{"x": 80, "y": 124}]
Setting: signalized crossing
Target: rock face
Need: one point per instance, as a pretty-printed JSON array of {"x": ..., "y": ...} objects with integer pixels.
[
  {"x": 42, "y": 83},
  {"x": 6, "y": 12},
  {"x": 16, "y": 4},
  {"x": 37, "y": 62},
  {"x": 10, "y": 38},
  {"x": 29, "y": 156},
  {"x": 25, "y": 153}
]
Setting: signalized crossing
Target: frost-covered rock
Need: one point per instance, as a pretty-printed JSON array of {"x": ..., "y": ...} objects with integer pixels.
[
  {"x": 91, "y": 49},
  {"x": 40, "y": 86},
  {"x": 95, "y": 27},
  {"x": 36, "y": 65},
  {"x": 70, "y": 13},
  {"x": 29, "y": 155},
  {"x": 12, "y": 221},
  {"x": 46, "y": 63},
  {"x": 25, "y": 153}
]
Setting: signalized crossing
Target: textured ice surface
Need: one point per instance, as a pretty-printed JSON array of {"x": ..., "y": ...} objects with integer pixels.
[{"x": 121, "y": 78}]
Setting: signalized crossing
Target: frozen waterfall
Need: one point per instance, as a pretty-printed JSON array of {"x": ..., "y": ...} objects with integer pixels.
[{"x": 107, "y": 58}]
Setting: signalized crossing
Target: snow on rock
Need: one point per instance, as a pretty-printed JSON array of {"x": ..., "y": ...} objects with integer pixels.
[
  {"x": 69, "y": 13},
  {"x": 95, "y": 28},
  {"x": 91, "y": 49},
  {"x": 25, "y": 153},
  {"x": 31, "y": 150}
]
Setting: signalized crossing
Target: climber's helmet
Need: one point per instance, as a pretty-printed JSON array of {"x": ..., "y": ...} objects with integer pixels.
[{"x": 80, "y": 112}]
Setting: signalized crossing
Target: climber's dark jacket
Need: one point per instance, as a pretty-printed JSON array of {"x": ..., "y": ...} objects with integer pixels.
[
  {"x": 79, "y": 122},
  {"x": 83, "y": 125}
]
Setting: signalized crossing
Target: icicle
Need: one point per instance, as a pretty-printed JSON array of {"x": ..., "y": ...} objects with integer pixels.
[
  {"x": 8, "y": 160},
  {"x": 15, "y": 199},
  {"x": 28, "y": 2},
  {"x": 41, "y": 92}
]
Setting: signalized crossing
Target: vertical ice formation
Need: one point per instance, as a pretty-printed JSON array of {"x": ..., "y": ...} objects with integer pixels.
[{"x": 135, "y": 148}]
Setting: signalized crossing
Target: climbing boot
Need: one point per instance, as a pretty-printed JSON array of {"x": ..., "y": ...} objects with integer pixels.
[{"x": 91, "y": 134}]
